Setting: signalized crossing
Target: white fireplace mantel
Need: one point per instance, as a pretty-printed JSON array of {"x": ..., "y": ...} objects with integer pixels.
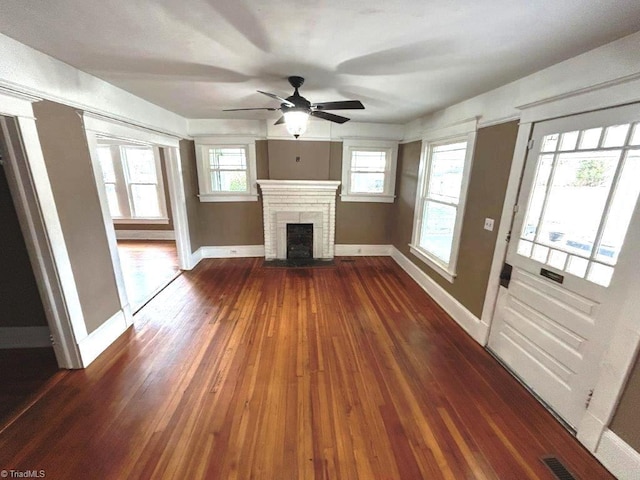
[{"x": 299, "y": 201}]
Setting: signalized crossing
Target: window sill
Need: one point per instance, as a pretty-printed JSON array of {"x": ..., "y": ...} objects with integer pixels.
[
  {"x": 437, "y": 267},
  {"x": 221, "y": 197},
  {"x": 355, "y": 197},
  {"x": 136, "y": 221}
]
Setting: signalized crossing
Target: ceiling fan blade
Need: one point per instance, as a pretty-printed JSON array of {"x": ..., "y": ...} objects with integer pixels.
[
  {"x": 329, "y": 116},
  {"x": 276, "y": 97},
  {"x": 280, "y": 121},
  {"x": 240, "y": 109},
  {"x": 341, "y": 105}
]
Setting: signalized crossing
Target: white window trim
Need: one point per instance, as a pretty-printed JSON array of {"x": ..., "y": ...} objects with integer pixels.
[
  {"x": 465, "y": 131},
  {"x": 388, "y": 194},
  {"x": 203, "y": 144},
  {"x": 163, "y": 219}
]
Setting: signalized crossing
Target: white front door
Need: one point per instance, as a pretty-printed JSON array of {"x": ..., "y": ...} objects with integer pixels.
[{"x": 579, "y": 191}]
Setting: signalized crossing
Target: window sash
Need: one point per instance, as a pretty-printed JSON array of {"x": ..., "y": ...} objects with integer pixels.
[{"x": 218, "y": 170}]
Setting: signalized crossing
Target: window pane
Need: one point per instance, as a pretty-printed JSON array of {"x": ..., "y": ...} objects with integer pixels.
[
  {"x": 447, "y": 165},
  {"x": 524, "y": 248},
  {"x": 234, "y": 158},
  {"x": 367, "y": 182},
  {"x": 145, "y": 201},
  {"x": 577, "y": 266},
  {"x": 540, "y": 253},
  {"x": 576, "y": 200},
  {"x": 112, "y": 200},
  {"x": 590, "y": 138},
  {"x": 229, "y": 181},
  {"x": 363, "y": 160},
  {"x": 536, "y": 201},
  {"x": 557, "y": 259},
  {"x": 615, "y": 136},
  {"x": 106, "y": 164},
  {"x": 622, "y": 205},
  {"x": 438, "y": 223},
  {"x": 140, "y": 164}
]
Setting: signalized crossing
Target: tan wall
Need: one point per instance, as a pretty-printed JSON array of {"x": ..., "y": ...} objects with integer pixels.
[
  {"x": 298, "y": 160},
  {"x": 234, "y": 223},
  {"x": 626, "y": 421},
  {"x": 20, "y": 303},
  {"x": 66, "y": 155},
  {"x": 487, "y": 185},
  {"x": 151, "y": 226}
]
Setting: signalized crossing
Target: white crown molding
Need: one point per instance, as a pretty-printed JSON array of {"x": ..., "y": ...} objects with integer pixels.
[{"x": 24, "y": 337}]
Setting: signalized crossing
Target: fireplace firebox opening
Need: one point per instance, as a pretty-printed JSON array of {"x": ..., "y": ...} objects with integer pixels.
[{"x": 299, "y": 240}]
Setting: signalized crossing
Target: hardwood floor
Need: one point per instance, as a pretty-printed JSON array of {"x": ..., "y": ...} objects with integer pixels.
[
  {"x": 147, "y": 267},
  {"x": 240, "y": 371}
]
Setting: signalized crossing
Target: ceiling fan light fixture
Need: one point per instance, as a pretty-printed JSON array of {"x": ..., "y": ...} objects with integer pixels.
[{"x": 296, "y": 122}]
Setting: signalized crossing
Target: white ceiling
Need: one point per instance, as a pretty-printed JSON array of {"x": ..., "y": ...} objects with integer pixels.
[{"x": 402, "y": 58}]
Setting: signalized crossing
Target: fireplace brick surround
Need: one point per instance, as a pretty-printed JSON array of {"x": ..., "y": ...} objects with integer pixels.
[{"x": 299, "y": 201}]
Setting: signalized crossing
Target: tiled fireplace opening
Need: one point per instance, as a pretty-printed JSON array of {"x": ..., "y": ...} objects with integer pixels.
[{"x": 299, "y": 240}]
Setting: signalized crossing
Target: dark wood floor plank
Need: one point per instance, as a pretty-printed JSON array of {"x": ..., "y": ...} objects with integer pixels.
[{"x": 240, "y": 371}]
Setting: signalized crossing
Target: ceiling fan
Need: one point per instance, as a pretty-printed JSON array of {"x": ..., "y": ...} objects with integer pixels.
[{"x": 296, "y": 109}]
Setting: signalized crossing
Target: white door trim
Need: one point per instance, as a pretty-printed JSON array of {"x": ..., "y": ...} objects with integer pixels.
[{"x": 36, "y": 208}]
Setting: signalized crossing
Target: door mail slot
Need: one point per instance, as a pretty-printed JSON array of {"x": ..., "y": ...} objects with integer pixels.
[{"x": 556, "y": 277}]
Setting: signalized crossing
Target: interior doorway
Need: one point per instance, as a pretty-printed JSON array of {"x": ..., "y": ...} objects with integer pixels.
[{"x": 27, "y": 358}]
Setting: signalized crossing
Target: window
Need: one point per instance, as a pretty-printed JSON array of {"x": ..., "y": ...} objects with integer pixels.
[
  {"x": 133, "y": 182},
  {"x": 368, "y": 171},
  {"x": 226, "y": 169},
  {"x": 440, "y": 200},
  {"x": 584, "y": 192}
]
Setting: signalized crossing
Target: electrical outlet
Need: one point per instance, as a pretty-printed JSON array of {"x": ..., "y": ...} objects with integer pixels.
[{"x": 488, "y": 224}]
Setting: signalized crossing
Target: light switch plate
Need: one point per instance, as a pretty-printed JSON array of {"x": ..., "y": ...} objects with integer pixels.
[{"x": 488, "y": 224}]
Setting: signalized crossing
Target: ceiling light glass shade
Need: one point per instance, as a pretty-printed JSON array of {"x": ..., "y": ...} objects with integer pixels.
[{"x": 296, "y": 122}]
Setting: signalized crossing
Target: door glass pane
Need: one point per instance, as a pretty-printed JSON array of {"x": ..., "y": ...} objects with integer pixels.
[
  {"x": 590, "y": 138},
  {"x": 141, "y": 164},
  {"x": 557, "y": 259},
  {"x": 600, "y": 274},
  {"x": 537, "y": 197},
  {"x": 106, "y": 164},
  {"x": 438, "y": 223},
  {"x": 568, "y": 140},
  {"x": 577, "y": 266},
  {"x": 145, "y": 201},
  {"x": 576, "y": 200},
  {"x": 112, "y": 200},
  {"x": 550, "y": 142},
  {"x": 635, "y": 138},
  {"x": 615, "y": 136},
  {"x": 622, "y": 206},
  {"x": 447, "y": 165},
  {"x": 367, "y": 182},
  {"x": 524, "y": 248},
  {"x": 540, "y": 253}
]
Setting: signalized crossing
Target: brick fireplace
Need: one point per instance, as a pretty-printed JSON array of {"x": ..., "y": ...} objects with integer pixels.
[{"x": 287, "y": 202}]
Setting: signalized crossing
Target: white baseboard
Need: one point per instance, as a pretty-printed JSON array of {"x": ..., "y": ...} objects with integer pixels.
[
  {"x": 97, "y": 341},
  {"x": 618, "y": 457},
  {"x": 231, "y": 251},
  {"x": 344, "y": 250},
  {"x": 24, "y": 337},
  {"x": 145, "y": 235},
  {"x": 467, "y": 320}
]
